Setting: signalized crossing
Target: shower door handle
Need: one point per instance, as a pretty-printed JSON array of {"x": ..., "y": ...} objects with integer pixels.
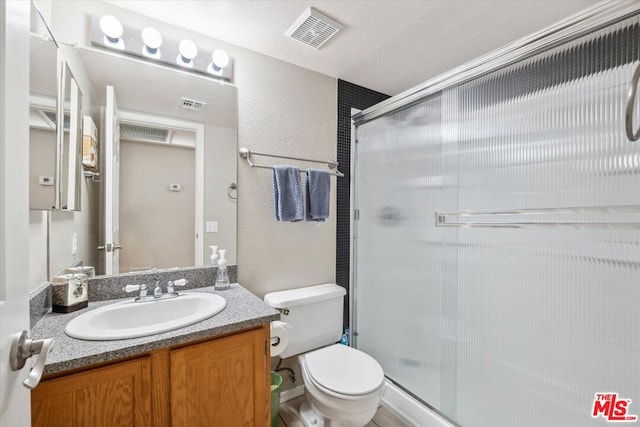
[
  {"x": 631, "y": 100},
  {"x": 110, "y": 247}
]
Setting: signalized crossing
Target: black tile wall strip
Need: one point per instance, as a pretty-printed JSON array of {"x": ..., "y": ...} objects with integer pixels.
[{"x": 349, "y": 96}]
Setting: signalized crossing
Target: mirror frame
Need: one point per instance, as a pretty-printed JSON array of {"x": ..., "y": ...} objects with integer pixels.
[{"x": 68, "y": 187}]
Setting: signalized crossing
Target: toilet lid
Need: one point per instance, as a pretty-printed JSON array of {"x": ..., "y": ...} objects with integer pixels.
[{"x": 344, "y": 370}]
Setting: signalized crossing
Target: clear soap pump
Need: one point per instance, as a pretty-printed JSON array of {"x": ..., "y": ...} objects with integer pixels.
[
  {"x": 222, "y": 277},
  {"x": 214, "y": 255}
]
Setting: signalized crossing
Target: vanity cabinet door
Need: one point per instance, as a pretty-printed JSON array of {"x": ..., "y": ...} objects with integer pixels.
[
  {"x": 224, "y": 382},
  {"x": 115, "y": 395}
]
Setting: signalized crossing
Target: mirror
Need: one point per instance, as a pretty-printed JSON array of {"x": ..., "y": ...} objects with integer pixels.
[
  {"x": 55, "y": 129},
  {"x": 70, "y": 142},
  {"x": 168, "y": 157},
  {"x": 43, "y": 123}
]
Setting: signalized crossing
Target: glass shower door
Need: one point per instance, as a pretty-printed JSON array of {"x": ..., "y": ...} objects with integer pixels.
[
  {"x": 398, "y": 261},
  {"x": 497, "y": 251}
]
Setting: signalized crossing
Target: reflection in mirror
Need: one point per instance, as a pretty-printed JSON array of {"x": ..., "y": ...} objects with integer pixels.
[
  {"x": 166, "y": 152},
  {"x": 70, "y": 142},
  {"x": 42, "y": 123},
  {"x": 55, "y": 130},
  {"x": 176, "y": 163}
]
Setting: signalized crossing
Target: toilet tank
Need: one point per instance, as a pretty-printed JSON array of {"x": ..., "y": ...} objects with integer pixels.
[{"x": 314, "y": 313}]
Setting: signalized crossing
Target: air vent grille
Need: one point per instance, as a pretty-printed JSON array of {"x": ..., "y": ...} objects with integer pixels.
[
  {"x": 136, "y": 132},
  {"x": 313, "y": 28},
  {"x": 193, "y": 104},
  {"x": 52, "y": 115}
]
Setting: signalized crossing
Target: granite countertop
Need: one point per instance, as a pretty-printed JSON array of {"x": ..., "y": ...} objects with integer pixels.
[{"x": 244, "y": 310}]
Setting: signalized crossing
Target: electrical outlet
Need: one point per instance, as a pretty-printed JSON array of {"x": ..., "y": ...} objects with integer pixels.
[{"x": 212, "y": 226}]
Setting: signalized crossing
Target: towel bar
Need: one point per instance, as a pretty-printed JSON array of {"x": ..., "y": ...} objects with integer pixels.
[
  {"x": 246, "y": 154},
  {"x": 544, "y": 217}
]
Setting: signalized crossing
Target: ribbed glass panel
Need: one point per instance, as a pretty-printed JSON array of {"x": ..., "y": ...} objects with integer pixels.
[
  {"x": 508, "y": 325},
  {"x": 399, "y": 293}
]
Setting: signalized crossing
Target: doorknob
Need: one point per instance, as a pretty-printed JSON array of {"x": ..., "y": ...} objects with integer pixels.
[{"x": 22, "y": 348}]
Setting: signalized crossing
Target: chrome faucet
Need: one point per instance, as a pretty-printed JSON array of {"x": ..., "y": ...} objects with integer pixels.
[
  {"x": 157, "y": 290},
  {"x": 142, "y": 297}
]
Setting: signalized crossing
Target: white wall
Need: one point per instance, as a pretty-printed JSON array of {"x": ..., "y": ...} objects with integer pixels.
[
  {"x": 220, "y": 146},
  {"x": 282, "y": 109},
  {"x": 148, "y": 208}
]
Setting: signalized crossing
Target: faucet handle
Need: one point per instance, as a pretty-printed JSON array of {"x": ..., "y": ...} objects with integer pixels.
[
  {"x": 131, "y": 288},
  {"x": 171, "y": 284}
]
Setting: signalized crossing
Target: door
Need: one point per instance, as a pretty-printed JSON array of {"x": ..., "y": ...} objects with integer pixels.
[
  {"x": 224, "y": 382},
  {"x": 115, "y": 395},
  {"x": 14, "y": 203},
  {"x": 111, "y": 245}
]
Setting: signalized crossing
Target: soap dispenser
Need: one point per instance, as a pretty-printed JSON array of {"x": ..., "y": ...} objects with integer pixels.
[
  {"x": 222, "y": 277},
  {"x": 214, "y": 255}
]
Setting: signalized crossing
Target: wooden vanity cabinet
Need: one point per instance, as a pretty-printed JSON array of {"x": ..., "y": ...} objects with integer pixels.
[
  {"x": 222, "y": 382},
  {"x": 114, "y": 395}
]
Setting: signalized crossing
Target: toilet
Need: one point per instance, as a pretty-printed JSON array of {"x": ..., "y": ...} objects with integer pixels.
[{"x": 343, "y": 385}]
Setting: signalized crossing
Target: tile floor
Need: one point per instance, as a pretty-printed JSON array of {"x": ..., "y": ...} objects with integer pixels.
[{"x": 288, "y": 413}]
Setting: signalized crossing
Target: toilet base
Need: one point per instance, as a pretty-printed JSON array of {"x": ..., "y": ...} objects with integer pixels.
[{"x": 309, "y": 416}]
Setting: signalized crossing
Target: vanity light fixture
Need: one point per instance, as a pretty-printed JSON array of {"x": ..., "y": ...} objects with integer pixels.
[
  {"x": 148, "y": 43},
  {"x": 112, "y": 30},
  {"x": 152, "y": 42},
  {"x": 188, "y": 51},
  {"x": 219, "y": 60}
]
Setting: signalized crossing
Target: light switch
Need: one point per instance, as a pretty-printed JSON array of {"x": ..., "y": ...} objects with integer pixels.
[
  {"x": 45, "y": 180},
  {"x": 175, "y": 187},
  {"x": 212, "y": 226}
]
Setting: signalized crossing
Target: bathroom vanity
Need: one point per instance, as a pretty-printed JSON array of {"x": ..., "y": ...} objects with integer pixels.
[{"x": 213, "y": 373}]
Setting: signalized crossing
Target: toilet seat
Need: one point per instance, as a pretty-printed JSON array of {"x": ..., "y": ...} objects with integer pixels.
[{"x": 343, "y": 371}]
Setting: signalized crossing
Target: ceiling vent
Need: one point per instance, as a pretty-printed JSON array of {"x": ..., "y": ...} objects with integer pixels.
[
  {"x": 142, "y": 133},
  {"x": 313, "y": 28},
  {"x": 193, "y": 104},
  {"x": 52, "y": 116}
]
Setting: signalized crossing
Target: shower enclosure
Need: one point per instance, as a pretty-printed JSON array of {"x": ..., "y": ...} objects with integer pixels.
[{"x": 497, "y": 240}]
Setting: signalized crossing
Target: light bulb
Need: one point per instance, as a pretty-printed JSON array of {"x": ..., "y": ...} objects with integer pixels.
[
  {"x": 219, "y": 60},
  {"x": 152, "y": 42},
  {"x": 112, "y": 29},
  {"x": 188, "y": 51}
]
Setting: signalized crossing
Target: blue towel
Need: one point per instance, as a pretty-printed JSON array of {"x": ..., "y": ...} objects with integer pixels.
[
  {"x": 287, "y": 193},
  {"x": 318, "y": 194}
]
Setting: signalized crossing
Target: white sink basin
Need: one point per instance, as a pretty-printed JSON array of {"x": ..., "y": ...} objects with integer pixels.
[{"x": 130, "y": 319}]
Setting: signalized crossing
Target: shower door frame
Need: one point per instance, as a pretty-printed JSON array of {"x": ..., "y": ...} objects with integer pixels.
[{"x": 600, "y": 15}]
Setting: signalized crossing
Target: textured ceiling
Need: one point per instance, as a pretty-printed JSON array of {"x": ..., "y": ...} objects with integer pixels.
[{"x": 388, "y": 46}]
